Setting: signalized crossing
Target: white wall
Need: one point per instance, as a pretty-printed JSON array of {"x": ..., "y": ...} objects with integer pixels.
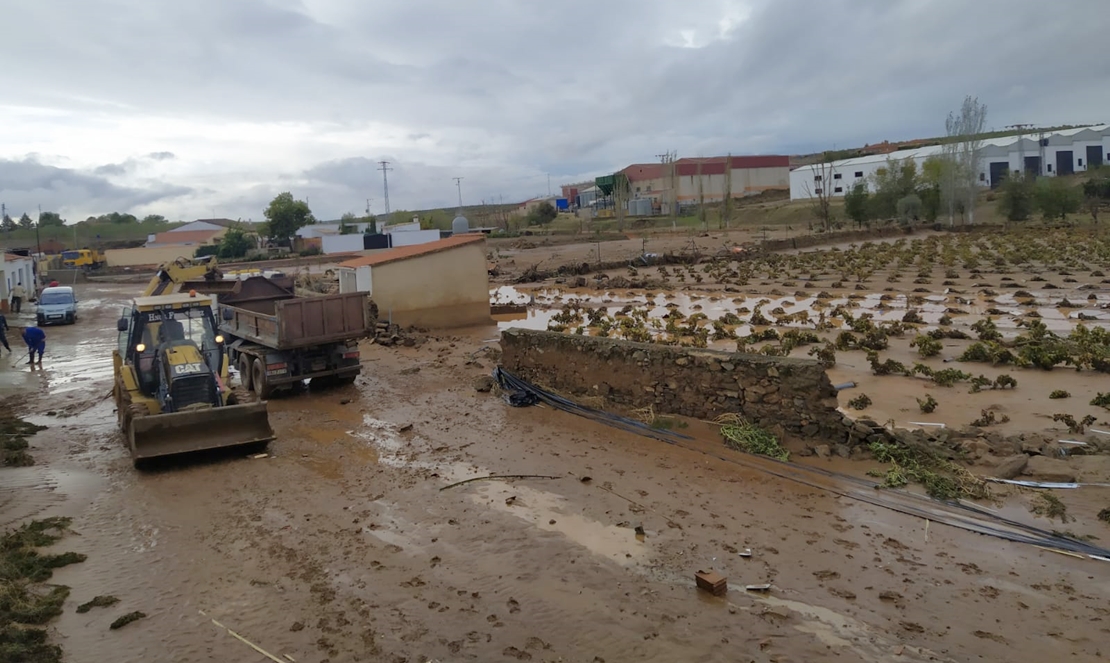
[
  {"x": 325, "y": 229},
  {"x": 357, "y": 279},
  {"x": 341, "y": 243},
  {"x": 994, "y": 149},
  {"x": 412, "y": 226},
  {"x": 412, "y": 237},
  {"x": 17, "y": 270}
]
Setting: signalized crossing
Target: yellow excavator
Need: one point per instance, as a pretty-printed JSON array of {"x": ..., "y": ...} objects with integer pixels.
[
  {"x": 171, "y": 376},
  {"x": 172, "y": 274}
]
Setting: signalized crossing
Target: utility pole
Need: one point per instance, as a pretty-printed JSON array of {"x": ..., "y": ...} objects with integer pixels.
[
  {"x": 458, "y": 185},
  {"x": 38, "y": 254},
  {"x": 385, "y": 182},
  {"x": 549, "y": 185}
]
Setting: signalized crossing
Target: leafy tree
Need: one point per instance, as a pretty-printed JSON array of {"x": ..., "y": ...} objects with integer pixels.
[
  {"x": 934, "y": 175},
  {"x": 234, "y": 244},
  {"x": 909, "y": 208},
  {"x": 7, "y": 224},
  {"x": 116, "y": 217},
  {"x": 1056, "y": 198},
  {"x": 964, "y": 147},
  {"x": 1017, "y": 197},
  {"x": 891, "y": 183},
  {"x": 1096, "y": 191},
  {"x": 285, "y": 216},
  {"x": 48, "y": 219},
  {"x": 542, "y": 214},
  {"x": 348, "y": 224},
  {"x": 153, "y": 219},
  {"x": 857, "y": 204},
  {"x": 399, "y": 216},
  {"x": 25, "y": 222}
]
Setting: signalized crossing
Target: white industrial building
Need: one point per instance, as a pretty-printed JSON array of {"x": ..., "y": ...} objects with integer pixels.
[{"x": 1042, "y": 155}]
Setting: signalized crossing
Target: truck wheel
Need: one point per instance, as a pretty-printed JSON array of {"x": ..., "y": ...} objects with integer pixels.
[
  {"x": 258, "y": 380},
  {"x": 245, "y": 371}
]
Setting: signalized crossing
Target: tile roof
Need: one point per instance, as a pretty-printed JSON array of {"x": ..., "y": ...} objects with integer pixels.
[{"x": 414, "y": 251}]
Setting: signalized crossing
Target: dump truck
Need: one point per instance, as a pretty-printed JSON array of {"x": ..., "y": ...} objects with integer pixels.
[
  {"x": 171, "y": 383},
  {"x": 278, "y": 340},
  {"x": 85, "y": 259}
]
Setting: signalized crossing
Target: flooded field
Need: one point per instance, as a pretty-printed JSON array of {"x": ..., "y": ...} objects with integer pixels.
[{"x": 350, "y": 541}]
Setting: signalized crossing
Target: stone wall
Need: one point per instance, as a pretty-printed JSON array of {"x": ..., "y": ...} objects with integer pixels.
[{"x": 789, "y": 396}]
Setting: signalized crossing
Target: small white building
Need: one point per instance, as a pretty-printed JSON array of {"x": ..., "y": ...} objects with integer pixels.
[
  {"x": 1054, "y": 153},
  {"x": 322, "y": 229},
  {"x": 15, "y": 269}
]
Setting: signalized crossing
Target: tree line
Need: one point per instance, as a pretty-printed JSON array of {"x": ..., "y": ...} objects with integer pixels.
[{"x": 55, "y": 220}]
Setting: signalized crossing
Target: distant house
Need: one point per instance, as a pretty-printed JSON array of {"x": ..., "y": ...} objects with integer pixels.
[
  {"x": 185, "y": 238},
  {"x": 438, "y": 284}
]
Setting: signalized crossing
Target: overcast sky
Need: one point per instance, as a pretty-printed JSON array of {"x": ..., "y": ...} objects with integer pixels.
[{"x": 211, "y": 107}]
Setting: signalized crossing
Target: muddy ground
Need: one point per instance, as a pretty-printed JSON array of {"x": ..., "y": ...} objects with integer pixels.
[{"x": 342, "y": 546}]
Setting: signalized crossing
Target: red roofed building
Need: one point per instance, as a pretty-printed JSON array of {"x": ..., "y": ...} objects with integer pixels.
[
  {"x": 439, "y": 284},
  {"x": 742, "y": 175}
]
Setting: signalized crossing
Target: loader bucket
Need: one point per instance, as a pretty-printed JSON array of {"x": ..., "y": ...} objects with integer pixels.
[{"x": 182, "y": 432}]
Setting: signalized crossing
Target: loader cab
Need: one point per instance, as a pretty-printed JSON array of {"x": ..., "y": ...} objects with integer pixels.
[{"x": 156, "y": 331}]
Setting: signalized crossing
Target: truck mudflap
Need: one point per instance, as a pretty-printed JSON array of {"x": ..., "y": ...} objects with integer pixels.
[{"x": 197, "y": 430}]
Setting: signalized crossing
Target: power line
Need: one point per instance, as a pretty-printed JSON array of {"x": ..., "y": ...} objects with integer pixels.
[
  {"x": 385, "y": 182},
  {"x": 458, "y": 185}
]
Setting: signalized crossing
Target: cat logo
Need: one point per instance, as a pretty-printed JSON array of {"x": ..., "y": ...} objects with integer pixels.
[{"x": 188, "y": 369}]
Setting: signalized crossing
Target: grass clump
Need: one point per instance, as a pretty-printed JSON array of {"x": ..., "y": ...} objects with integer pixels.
[
  {"x": 1101, "y": 400},
  {"x": 127, "y": 619},
  {"x": 24, "y": 598},
  {"x": 1059, "y": 393},
  {"x": 97, "y": 602},
  {"x": 1050, "y": 506},
  {"x": 927, "y": 346},
  {"x": 13, "y": 442},
  {"x": 928, "y": 405},
  {"x": 744, "y": 436},
  {"x": 941, "y": 478}
]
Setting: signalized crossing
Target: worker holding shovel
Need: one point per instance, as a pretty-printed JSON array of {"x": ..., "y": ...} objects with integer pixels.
[{"x": 35, "y": 339}]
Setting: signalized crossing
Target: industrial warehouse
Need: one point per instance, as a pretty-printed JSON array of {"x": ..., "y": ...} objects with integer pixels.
[{"x": 1045, "y": 154}]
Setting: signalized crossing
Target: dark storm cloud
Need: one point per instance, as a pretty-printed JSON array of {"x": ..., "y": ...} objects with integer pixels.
[
  {"x": 510, "y": 91},
  {"x": 26, "y": 183}
]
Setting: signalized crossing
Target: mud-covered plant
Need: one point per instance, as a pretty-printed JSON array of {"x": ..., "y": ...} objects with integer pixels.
[
  {"x": 741, "y": 435},
  {"x": 861, "y": 402},
  {"x": 988, "y": 418},
  {"x": 913, "y": 317},
  {"x": 990, "y": 352},
  {"x": 1073, "y": 426},
  {"x": 1101, "y": 400},
  {"x": 825, "y": 355},
  {"x": 1049, "y": 506},
  {"x": 1004, "y": 381},
  {"x": 928, "y": 404},
  {"x": 926, "y": 345},
  {"x": 945, "y": 320},
  {"x": 978, "y": 382},
  {"x": 987, "y": 330},
  {"x": 949, "y": 376},
  {"x": 1059, "y": 393},
  {"x": 942, "y": 479},
  {"x": 1104, "y": 515},
  {"x": 886, "y": 367}
]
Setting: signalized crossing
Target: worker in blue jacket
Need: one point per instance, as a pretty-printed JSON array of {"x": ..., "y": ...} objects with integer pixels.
[{"x": 35, "y": 339}]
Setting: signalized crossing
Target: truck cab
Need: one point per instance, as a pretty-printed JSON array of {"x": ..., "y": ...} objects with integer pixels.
[
  {"x": 57, "y": 305},
  {"x": 81, "y": 259}
]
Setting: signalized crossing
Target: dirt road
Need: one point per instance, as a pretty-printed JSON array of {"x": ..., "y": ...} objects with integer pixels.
[{"x": 343, "y": 547}]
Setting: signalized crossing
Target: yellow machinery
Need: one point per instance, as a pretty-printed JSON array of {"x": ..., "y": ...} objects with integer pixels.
[
  {"x": 82, "y": 259},
  {"x": 180, "y": 270},
  {"x": 171, "y": 381}
]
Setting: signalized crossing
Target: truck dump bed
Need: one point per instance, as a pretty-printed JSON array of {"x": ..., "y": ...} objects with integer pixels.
[{"x": 272, "y": 316}]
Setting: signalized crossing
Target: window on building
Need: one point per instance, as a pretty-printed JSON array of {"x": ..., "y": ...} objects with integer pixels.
[
  {"x": 1050, "y": 168},
  {"x": 859, "y": 173},
  {"x": 816, "y": 178},
  {"x": 836, "y": 176},
  {"x": 838, "y": 189},
  {"x": 982, "y": 177},
  {"x": 818, "y": 191},
  {"x": 1080, "y": 163}
]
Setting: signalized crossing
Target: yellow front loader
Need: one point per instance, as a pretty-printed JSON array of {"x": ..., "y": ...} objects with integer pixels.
[{"x": 171, "y": 381}]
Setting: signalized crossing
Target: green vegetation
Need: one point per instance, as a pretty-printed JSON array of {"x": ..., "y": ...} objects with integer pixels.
[
  {"x": 1101, "y": 400},
  {"x": 1049, "y": 506},
  {"x": 25, "y": 601},
  {"x": 743, "y": 436},
  {"x": 942, "y": 479},
  {"x": 861, "y": 402},
  {"x": 97, "y": 602},
  {"x": 285, "y": 215},
  {"x": 928, "y": 405},
  {"x": 926, "y": 345},
  {"x": 127, "y": 619},
  {"x": 1104, "y": 515},
  {"x": 1059, "y": 393},
  {"x": 13, "y": 441}
]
